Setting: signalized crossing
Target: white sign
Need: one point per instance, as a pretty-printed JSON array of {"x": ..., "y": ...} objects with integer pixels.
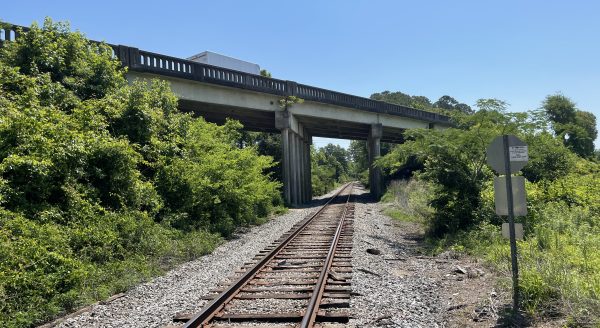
[
  {"x": 518, "y": 153},
  {"x": 518, "y": 193},
  {"x": 518, "y": 231}
]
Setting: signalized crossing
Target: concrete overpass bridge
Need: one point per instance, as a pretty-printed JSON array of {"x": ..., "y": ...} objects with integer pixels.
[{"x": 218, "y": 93}]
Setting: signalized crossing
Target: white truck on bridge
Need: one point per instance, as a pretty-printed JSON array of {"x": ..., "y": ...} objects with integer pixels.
[{"x": 215, "y": 59}]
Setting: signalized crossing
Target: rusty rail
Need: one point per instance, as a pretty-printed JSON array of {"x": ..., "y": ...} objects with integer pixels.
[
  {"x": 211, "y": 309},
  {"x": 313, "y": 305}
]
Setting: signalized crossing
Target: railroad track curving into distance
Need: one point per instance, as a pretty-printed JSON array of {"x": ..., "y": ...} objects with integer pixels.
[{"x": 301, "y": 280}]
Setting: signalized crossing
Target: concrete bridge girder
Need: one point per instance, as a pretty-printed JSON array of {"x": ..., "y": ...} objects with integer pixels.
[
  {"x": 297, "y": 125},
  {"x": 204, "y": 93}
]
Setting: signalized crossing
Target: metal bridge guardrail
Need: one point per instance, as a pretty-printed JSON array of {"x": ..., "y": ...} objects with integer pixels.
[{"x": 149, "y": 62}]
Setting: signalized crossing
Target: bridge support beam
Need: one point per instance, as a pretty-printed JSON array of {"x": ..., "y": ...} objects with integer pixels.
[
  {"x": 295, "y": 159},
  {"x": 307, "y": 169},
  {"x": 374, "y": 149}
]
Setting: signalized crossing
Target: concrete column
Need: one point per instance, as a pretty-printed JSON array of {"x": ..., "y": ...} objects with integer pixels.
[
  {"x": 285, "y": 164},
  {"x": 297, "y": 170},
  {"x": 294, "y": 169},
  {"x": 293, "y": 166},
  {"x": 300, "y": 151},
  {"x": 302, "y": 172},
  {"x": 308, "y": 169},
  {"x": 374, "y": 148},
  {"x": 295, "y": 159}
]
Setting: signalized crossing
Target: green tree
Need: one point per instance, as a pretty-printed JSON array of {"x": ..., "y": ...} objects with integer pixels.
[
  {"x": 266, "y": 144},
  {"x": 265, "y": 73},
  {"x": 549, "y": 159},
  {"x": 560, "y": 109},
  {"x": 86, "y": 69},
  {"x": 586, "y": 121},
  {"x": 454, "y": 160},
  {"x": 576, "y": 128},
  {"x": 450, "y": 104},
  {"x": 359, "y": 157},
  {"x": 339, "y": 156},
  {"x": 403, "y": 99},
  {"x": 398, "y": 98},
  {"x": 329, "y": 167},
  {"x": 323, "y": 169}
]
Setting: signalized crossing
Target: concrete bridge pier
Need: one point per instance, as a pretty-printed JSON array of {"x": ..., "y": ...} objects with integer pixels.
[
  {"x": 307, "y": 169},
  {"x": 295, "y": 159},
  {"x": 374, "y": 150}
]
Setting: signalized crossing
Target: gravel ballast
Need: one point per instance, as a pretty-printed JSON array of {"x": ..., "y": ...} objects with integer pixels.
[
  {"x": 154, "y": 304},
  {"x": 397, "y": 285},
  {"x": 393, "y": 283},
  {"x": 389, "y": 291}
]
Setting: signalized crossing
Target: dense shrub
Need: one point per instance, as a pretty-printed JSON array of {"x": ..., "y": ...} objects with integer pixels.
[
  {"x": 222, "y": 191},
  {"x": 559, "y": 263},
  {"x": 105, "y": 183},
  {"x": 453, "y": 160},
  {"x": 549, "y": 159}
]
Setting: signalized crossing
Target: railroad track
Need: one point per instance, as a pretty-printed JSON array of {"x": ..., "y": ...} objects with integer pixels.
[{"x": 301, "y": 280}]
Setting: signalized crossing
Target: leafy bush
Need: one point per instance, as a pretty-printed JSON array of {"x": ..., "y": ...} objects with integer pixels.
[
  {"x": 104, "y": 183},
  {"x": 559, "y": 262},
  {"x": 454, "y": 163},
  {"x": 218, "y": 192},
  {"x": 549, "y": 159}
]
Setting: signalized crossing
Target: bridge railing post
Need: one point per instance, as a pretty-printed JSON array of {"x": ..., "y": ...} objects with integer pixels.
[
  {"x": 129, "y": 56},
  {"x": 123, "y": 54},
  {"x": 290, "y": 88},
  {"x": 247, "y": 80},
  {"x": 197, "y": 72},
  {"x": 134, "y": 56}
]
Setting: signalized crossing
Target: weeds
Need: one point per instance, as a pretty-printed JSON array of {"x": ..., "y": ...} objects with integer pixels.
[{"x": 559, "y": 262}]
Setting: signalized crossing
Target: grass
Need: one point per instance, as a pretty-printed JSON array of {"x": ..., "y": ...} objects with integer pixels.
[
  {"x": 407, "y": 201},
  {"x": 559, "y": 259}
]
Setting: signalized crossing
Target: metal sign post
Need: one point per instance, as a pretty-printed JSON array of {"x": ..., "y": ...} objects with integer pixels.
[
  {"x": 511, "y": 224},
  {"x": 506, "y": 155}
]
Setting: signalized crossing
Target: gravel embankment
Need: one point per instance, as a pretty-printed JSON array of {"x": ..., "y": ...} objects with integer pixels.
[
  {"x": 402, "y": 287},
  {"x": 154, "y": 304},
  {"x": 391, "y": 290}
]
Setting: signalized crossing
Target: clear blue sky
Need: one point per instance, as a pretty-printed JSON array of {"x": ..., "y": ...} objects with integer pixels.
[{"x": 517, "y": 51}]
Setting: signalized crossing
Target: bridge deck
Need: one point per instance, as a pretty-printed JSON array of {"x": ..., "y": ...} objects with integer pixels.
[{"x": 148, "y": 62}]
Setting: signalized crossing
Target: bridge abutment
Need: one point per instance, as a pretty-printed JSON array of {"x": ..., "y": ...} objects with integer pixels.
[
  {"x": 295, "y": 159},
  {"x": 374, "y": 150}
]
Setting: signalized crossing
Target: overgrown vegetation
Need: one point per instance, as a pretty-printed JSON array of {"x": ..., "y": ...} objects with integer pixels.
[
  {"x": 329, "y": 168},
  {"x": 102, "y": 183},
  {"x": 408, "y": 200},
  {"x": 559, "y": 262}
]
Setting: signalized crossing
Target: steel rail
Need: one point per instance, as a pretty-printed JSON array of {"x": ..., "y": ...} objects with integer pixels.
[
  {"x": 211, "y": 309},
  {"x": 313, "y": 305}
]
